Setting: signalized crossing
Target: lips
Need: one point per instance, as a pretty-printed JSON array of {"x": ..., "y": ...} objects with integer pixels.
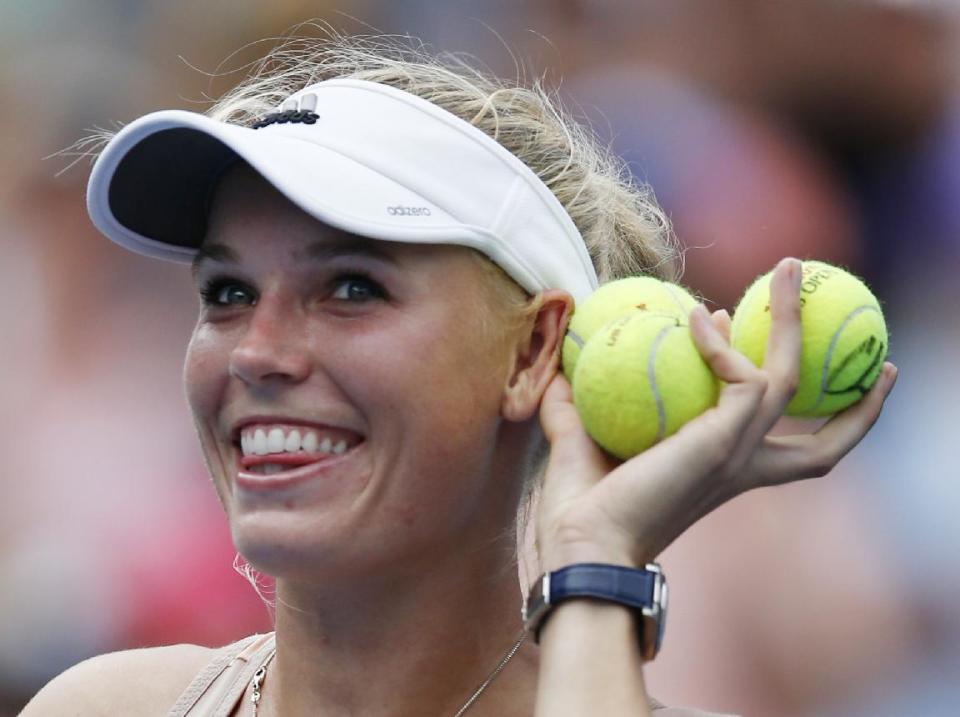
[{"x": 268, "y": 448}]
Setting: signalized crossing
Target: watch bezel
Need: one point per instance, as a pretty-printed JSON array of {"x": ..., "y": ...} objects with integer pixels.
[{"x": 655, "y": 616}]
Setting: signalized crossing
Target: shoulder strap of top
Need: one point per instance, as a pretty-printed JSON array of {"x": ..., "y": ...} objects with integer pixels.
[{"x": 215, "y": 691}]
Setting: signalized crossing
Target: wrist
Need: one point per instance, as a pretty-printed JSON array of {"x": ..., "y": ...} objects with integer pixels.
[
  {"x": 642, "y": 590},
  {"x": 569, "y": 547},
  {"x": 569, "y": 543},
  {"x": 559, "y": 557}
]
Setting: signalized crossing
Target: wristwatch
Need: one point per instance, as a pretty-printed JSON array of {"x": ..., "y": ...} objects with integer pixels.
[{"x": 643, "y": 590}]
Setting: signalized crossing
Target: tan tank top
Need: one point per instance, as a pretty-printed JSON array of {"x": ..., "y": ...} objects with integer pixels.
[{"x": 218, "y": 688}]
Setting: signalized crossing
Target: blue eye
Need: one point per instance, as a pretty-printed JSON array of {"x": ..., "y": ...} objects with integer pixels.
[
  {"x": 224, "y": 292},
  {"x": 357, "y": 288}
]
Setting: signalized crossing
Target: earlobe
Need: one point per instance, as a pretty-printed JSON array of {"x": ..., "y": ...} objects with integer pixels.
[{"x": 537, "y": 356}]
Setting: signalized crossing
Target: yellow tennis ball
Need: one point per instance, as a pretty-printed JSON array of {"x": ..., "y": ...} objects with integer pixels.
[
  {"x": 844, "y": 337},
  {"x": 638, "y": 380},
  {"x": 635, "y": 293}
]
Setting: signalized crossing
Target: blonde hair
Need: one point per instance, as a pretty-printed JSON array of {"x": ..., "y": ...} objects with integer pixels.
[{"x": 625, "y": 231}]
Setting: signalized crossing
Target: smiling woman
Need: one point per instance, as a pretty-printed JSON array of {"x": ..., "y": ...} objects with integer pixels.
[
  {"x": 371, "y": 354},
  {"x": 387, "y": 247}
]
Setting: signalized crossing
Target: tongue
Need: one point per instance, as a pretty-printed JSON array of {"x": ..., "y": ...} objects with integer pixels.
[{"x": 290, "y": 460}]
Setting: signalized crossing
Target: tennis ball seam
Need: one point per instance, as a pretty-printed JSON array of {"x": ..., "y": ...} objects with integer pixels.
[
  {"x": 652, "y": 380},
  {"x": 671, "y": 290}
]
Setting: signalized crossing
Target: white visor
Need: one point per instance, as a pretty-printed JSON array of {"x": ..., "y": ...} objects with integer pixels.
[{"x": 361, "y": 156}]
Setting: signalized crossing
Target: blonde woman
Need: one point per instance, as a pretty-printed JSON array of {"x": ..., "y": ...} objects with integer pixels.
[{"x": 387, "y": 247}]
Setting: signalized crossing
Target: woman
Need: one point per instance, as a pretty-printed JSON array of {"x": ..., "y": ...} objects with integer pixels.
[{"x": 387, "y": 249}]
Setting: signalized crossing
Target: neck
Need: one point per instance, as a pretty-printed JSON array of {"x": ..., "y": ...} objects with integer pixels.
[{"x": 409, "y": 644}]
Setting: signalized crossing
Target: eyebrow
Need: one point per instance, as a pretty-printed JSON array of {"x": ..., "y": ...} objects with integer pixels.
[
  {"x": 213, "y": 252},
  {"x": 349, "y": 246},
  {"x": 316, "y": 251}
]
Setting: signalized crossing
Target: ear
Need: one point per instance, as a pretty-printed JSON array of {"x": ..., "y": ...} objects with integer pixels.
[{"x": 536, "y": 356}]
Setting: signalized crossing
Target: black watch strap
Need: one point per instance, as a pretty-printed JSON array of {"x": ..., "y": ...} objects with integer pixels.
[{"x": 643, "y": 590}]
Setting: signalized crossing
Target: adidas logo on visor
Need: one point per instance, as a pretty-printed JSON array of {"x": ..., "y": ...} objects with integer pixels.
[{"x": 292, "y": 112}]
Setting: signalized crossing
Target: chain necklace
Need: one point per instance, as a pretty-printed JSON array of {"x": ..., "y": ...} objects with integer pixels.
[
  {"x": 256, "y": 695},
  {"x": 257, "y": 681}
]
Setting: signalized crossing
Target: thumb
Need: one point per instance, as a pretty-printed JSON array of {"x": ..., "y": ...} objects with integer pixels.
[
  {"x": 558, "y": 416},
  {"x": 575, "y": 460}
]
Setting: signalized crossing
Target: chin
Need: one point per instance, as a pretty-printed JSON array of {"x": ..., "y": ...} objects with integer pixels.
[
  {"x": 320, "y": 548},
  {"x": 287, "y": 546}
]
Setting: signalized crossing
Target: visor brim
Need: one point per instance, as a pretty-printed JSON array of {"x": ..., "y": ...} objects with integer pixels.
[{"x": 151, "y": 189}]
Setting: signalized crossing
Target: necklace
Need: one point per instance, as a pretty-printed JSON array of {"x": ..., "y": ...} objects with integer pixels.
[
  {"x": 258, "y": 680},
  {"x": 258, "y": 677}
]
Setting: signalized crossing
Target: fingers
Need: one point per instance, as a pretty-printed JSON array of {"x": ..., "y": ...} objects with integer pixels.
[
  {"x": 789, "y": 458},
  {"x": 781, "y": 366},
  {"x": 557, "y": 413},
  {"x": 782, "y": 358},
  {"x": 575, "y": 462},
  {"x": 728, "y": 365},
  {"x": 721, "y": 320},
  {"x": 754, "y": 398},
  {"x": 745, "y": 386},
  {"x": 711, "y": 439}
]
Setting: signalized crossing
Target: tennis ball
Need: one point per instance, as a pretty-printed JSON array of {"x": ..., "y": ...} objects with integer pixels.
[
  {"x": 844, "y": 337},
  {"x": 638, "y": 380},
  {"x": 635, "y": 293}
]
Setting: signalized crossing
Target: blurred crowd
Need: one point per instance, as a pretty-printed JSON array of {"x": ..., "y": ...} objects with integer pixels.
[{"x": 825, "y": 129}]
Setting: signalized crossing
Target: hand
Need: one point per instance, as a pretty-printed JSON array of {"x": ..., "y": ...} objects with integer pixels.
[{"x": 594, "y": 508}]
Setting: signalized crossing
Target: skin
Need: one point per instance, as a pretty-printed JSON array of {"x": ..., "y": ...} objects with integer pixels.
[
  {"x": 305, "y": 340},
  {"x": 396, "y": 568},
  {"x": 414, "y": 522}
]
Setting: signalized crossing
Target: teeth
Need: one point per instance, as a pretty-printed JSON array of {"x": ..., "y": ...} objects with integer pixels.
[
  {"x": 292, "y": 444},
  {"x": 275, "y": 440},
  {"x": 259, "y": 443},
  {"x": 270, "y": 468}
]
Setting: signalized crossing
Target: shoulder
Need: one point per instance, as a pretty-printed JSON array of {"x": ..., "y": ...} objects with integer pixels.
[{"x": 131, "y": 682}]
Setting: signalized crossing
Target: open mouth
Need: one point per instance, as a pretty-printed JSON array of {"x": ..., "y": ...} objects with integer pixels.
[{"x": 268, "y": 449}]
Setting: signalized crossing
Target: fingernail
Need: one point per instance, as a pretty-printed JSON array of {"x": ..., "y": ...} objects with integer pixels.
[
  {"x": 796, "y": 273},
  {"x": 703, "y": 314},
  {"x": 891, "y": 372}
]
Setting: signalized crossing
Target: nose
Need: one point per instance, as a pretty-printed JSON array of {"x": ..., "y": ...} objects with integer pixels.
[{"x": 273, "y": 349}]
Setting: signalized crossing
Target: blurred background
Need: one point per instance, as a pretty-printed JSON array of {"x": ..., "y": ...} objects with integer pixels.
[{"x": 823, "y": 128}]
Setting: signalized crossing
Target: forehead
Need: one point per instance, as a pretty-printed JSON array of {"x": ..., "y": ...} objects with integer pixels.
[
  {"x": 244, "y": 203},
  {"x": 248, "y": 216}
]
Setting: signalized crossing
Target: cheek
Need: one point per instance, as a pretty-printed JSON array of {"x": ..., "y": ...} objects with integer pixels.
[
  {"x": 456, "y": 387},
  {"x": 454, "y": 371},
  {"x": 204, "y": 372}
]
